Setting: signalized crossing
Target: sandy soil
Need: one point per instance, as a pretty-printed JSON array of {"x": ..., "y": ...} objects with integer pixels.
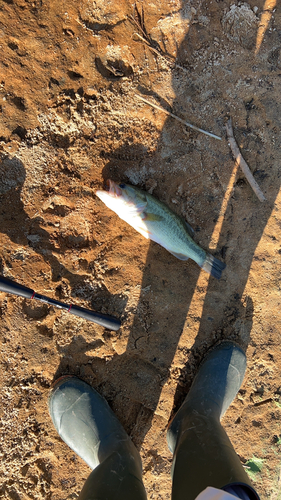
[{"x": 70, "y": 120}]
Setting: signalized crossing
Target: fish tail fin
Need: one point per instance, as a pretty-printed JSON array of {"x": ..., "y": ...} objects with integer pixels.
[{"x": 213, "y": 266}]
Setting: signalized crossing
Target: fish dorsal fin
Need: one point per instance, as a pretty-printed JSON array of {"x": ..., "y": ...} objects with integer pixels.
[
  {"x": 179, "y": 256},
  {"x": 190, "y": 230},
  {"x": 151, "y": 217}
]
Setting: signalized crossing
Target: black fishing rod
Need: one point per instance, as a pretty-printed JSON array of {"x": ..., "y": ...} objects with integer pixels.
[{"x": 9, "y": 286}]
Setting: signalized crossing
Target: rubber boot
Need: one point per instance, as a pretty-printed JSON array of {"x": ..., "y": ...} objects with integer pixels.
[
  {"x": 86, "y": 423},
  {"x": 203, "y": 454}
]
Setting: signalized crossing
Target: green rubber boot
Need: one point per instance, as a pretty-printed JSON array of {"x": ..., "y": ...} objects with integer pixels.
[
  {"x": 88, "y": 426},
  {"x": 203, "y": 454}
]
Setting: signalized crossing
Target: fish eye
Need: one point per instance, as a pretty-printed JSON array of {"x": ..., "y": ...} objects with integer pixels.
[{"x": 122, "y": 185}]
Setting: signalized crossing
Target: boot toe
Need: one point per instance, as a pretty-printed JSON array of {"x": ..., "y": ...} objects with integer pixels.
[{"x": 84, "y": 420}]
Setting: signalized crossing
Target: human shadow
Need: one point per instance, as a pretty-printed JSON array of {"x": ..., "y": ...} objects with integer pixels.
[
  {"x": 227, "y": 312},
  {"x": 132, "y": 381}
]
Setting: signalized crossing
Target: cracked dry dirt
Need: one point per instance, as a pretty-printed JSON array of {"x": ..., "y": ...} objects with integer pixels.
[{"x": 69, "y": 119}]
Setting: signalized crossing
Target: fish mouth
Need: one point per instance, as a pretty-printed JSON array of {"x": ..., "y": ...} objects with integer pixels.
[{"x": 113, "y": 189}]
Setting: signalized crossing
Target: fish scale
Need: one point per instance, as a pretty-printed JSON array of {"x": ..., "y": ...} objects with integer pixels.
[{"x": 182, "y": 242}]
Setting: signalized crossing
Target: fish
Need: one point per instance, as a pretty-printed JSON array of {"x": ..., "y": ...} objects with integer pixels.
[{"x": 157, "y": 222}]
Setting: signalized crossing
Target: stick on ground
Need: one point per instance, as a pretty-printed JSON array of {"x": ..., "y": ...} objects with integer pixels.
[
  {"x": 241, "y": 162},
  {"x": 179, "y": 119}
]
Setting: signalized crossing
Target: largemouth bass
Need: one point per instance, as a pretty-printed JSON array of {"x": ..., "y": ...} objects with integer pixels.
[{"x": 155, "y": 221}]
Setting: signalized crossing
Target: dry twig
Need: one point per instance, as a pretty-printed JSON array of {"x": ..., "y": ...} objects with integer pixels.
[
  {"x": 178, "y": 119},
  {"x": 241, "y": 162},
  {"x": 138, "y": 19},
  {"x": 259, "y": 403},
  {"x": 166, "y": 58}
]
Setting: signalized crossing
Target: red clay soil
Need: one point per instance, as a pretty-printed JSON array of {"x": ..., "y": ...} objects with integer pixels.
[{"x": 70, "y": 119}]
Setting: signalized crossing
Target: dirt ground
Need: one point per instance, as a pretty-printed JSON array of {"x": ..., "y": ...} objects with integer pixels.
[{"x": 70, "y": 119}]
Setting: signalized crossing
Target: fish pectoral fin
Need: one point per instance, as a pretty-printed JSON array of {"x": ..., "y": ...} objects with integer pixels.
[
  {"x": 151, "y": 217},
  {"x": 190, "y": 230},
  {"x": 136, "y": 210},
  {"x": 179, "y": 255}
]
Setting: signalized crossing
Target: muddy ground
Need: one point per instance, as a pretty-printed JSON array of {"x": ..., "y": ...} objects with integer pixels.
[{"x": 70, "y": 119}]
